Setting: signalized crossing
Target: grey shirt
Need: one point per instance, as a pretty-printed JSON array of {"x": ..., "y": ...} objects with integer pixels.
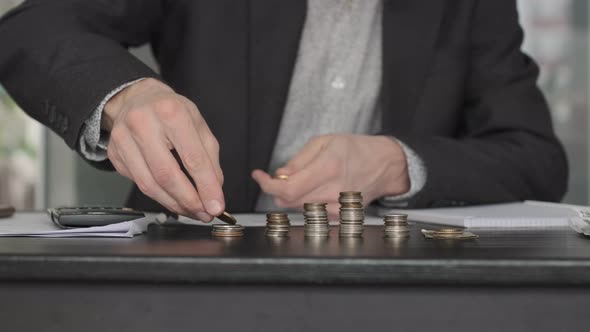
[{"x": 334, "y": 89}]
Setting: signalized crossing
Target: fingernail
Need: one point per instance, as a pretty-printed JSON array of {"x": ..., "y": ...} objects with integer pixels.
[
  {"x": 213, "y": 207},
  {"x": 204, "y": 217}
]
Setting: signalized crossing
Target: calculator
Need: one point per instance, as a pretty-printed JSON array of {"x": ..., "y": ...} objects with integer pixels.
[{"x": 88, "y": 216}]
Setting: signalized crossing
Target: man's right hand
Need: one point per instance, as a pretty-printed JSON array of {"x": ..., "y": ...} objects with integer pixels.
[{"x": 147, "y": 120}]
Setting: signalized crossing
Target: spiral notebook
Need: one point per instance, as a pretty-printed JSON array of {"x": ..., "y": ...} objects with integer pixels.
[{"x": 528, "y": 214}]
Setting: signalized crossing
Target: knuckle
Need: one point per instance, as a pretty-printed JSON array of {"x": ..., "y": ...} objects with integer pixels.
[
  {"x": 163, "y": 175},
  {"x": 111, "y": 154},
  {"x": 169, "y": 109},
  {"x": 194, "y": 162},
  {"x": 145, "y": 187},
  {"x": 117, "y": 134},
  {"x": 205, "y": 188},
  {"x": 175, "y": 208},
  {"x": 215, "y": 144},
  {"x": 135, "y": 120}
]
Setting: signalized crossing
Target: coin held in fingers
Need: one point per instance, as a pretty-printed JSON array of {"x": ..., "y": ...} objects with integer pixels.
[{"x": 227, "y": 218}]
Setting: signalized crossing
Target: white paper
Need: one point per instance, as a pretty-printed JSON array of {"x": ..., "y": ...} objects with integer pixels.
[
  {"x": 32, "y": 224},
  {"x": 509, "y": 215}
]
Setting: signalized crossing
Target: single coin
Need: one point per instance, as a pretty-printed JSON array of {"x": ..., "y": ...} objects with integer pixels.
[
  {"x": 281, "y": 177},
  {"x": 227, "y": 218},
  {"x": 350, "y": 193},
  {"x": 314, "y": 207}
]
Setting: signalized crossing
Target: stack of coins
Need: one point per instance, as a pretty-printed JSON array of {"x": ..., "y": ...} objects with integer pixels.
[
  {"x": 222, "y": 230},
  {"x": 449, "y": 234},
  {"x": 316, "y": 219},
  {"x": 352, "y": 214},
  {"x": 396, "y": 225},
  {"x": 277, "y": 224}
]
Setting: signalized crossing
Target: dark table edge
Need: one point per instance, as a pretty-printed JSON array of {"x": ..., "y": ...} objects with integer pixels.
[{"x": 321, "y": 271}]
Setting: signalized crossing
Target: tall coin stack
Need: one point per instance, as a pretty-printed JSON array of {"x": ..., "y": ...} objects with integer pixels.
[
  {"x": 277, "y": 224},
  {"x": 316, "y": 219},
  {"x": 396, "y": 225},
  {"x": 352, "y": 214}
]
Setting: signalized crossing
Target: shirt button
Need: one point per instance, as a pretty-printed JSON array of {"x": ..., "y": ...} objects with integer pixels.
[{"x": 338, "y": 83}]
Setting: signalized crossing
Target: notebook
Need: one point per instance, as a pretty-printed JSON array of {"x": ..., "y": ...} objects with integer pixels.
[
  {"x": 32, "y": 224},
  {"x": 528, "y": 214}
]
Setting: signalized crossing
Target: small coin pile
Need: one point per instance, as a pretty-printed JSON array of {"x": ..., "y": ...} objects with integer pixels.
[
  {"x": 448, "y": 234},
  {"x": 223, "y": 230},
  {"x": 316, "y": 219},
  {"x": 352, "y": 214},
  {"x": 277, "y": 224},
  {"x": 396, "y": 225}
]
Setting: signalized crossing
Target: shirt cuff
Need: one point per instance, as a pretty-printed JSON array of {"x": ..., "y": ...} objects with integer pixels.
[
  {"x": 417, "y": 174},
  {"x": 94, "y": 141}
]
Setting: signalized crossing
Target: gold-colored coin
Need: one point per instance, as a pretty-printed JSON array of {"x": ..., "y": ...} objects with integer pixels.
[
  {"x": 227, "y": 218},
  {"x": 281, "y": 177}
]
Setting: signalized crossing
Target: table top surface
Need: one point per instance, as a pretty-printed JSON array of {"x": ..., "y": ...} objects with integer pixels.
[{"x": 189, "y": 254}]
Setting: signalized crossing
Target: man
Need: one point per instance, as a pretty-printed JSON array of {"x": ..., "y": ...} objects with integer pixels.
[{"x": 415, "y": 103}]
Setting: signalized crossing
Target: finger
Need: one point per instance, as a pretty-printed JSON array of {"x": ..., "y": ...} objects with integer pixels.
[
  {"x": 309, "y": 151},
  {"x": 267, "y": 183},
  {"x": 212, "y": 147},
  {"x": 327, "y": 193},
  {"x": 166, "y": 171},
  {"x": 316, "y": 174},
  {"x": 130, "y": 156},
  {"x": 195, "y": 159},
  {"x": 114, "y": 158},
  {"x": 209, "y": 141},
  {"x": 333, "y": 211}
]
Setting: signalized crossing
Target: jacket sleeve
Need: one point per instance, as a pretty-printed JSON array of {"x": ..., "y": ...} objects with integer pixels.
[
  {"x": 59, "y": 59},
  {"x": 506, "y": 150}
]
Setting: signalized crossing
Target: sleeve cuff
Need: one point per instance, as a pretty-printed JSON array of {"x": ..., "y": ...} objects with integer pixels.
[
  {"x": 93, "y": 141},
  {"x": 417, "y": 173}
]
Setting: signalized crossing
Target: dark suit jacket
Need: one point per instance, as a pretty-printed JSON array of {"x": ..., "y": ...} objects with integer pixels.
[{"x": 456, "y": 87}]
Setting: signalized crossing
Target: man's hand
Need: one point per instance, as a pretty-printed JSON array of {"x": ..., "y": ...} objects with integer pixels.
[
  {"x": 327, "y": 165},
  {"x": 147, "y": 121}
]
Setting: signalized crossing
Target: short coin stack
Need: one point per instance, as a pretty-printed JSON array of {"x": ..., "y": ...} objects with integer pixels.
[
  {"x": 277, "y": 224},
  {"x": 396, "y": 226},
  {"x": 449, "y": 234},
  {"x": 316, "y": 219},
  {"x": 222, "y": 230},
  {"x": 352, "y": 214}
]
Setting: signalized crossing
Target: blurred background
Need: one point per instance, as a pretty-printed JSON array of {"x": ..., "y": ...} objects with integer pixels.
[{"x": 37, "y": 169}]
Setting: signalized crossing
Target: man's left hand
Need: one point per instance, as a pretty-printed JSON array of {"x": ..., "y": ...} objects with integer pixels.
[{"x": 330, "y": 164}]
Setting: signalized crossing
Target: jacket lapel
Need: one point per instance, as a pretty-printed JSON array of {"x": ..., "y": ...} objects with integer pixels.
[
  {"x": 410, "y": 28},
  {"x": 275, "y": 31}
]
